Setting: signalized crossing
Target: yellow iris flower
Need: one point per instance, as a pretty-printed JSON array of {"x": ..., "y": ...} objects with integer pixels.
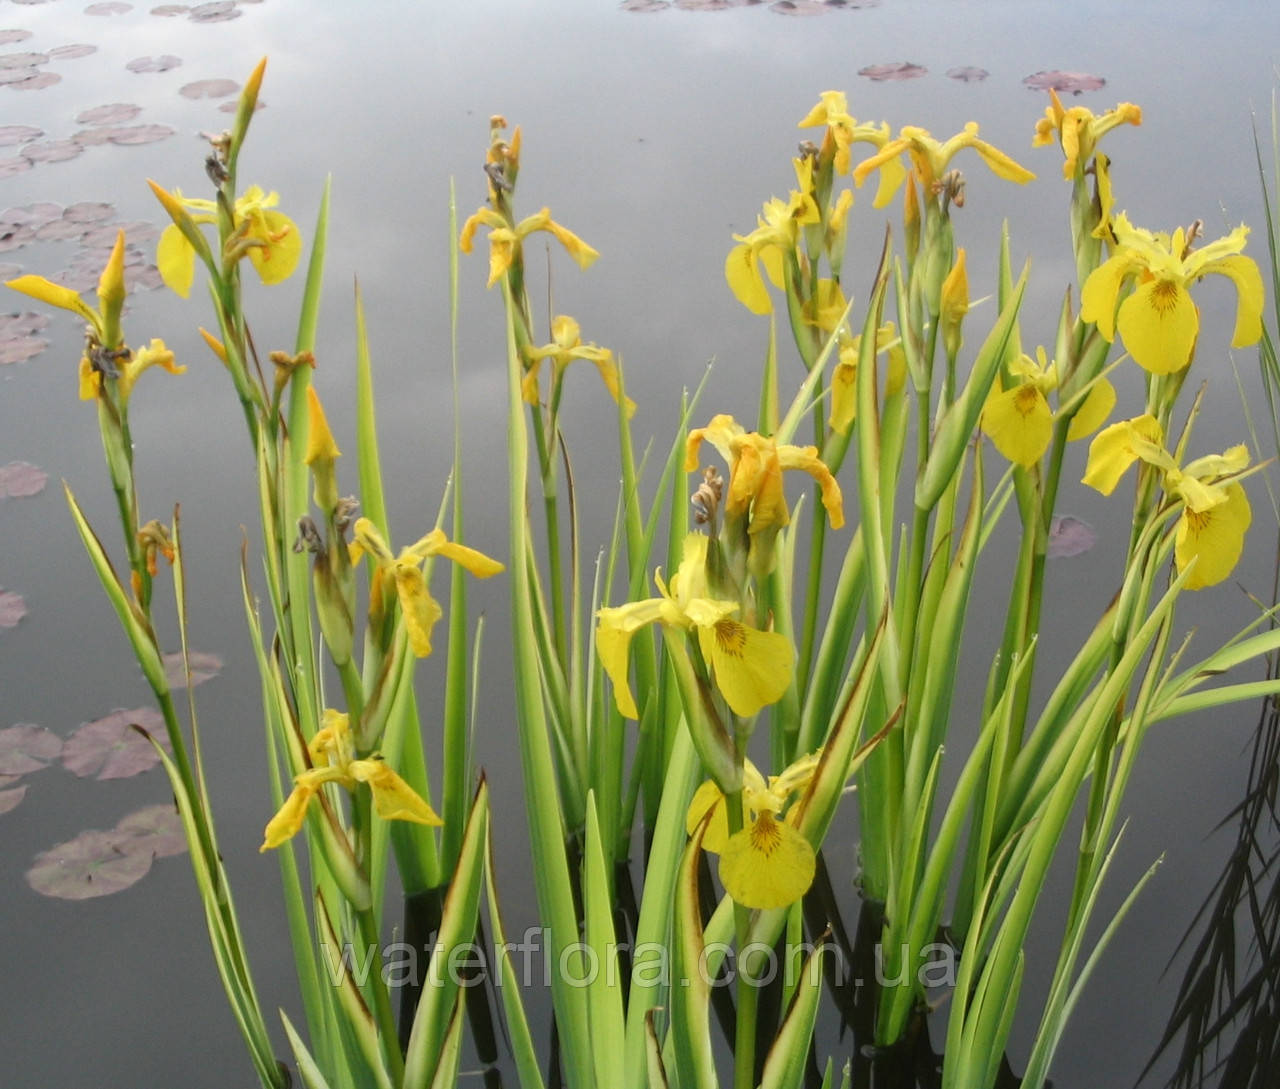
[
  {"x": 1158, "y": 319},
  {"x": 752, "y": 668},
  {"x": 1077, "y": 130},
  {"x": 1019, "y": 420},
  {"x": 1215, "y": 509},
  {"x": 756, "y": 465},
  {"x": 929, "y": 158},
  {"x": 777, "y": 231},
  {"x": 269, "y": 238},
  {"x": 504, "y": 239},
  {"x": 768, "y": 863},
  {"x": 419, "y": 608},
  {"x": 104, "y": 334},
  {"x": 843, "y": 132},
  {"x": 566, "y": 346},
  {"x": 333, "y": 760},
  {"x": 844, "y": 376}
]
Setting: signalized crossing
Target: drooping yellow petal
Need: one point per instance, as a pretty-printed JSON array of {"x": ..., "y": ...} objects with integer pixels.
[
  {"x": 1159, "y": 324},
  {"x": 806, "y": 458},
  {"x": 420, "y": 609},
  {"x": 708, "y": 798},
  {"x": 90, "y": 380},
  {"x": 287, "y": 822},
  {"x": 1019, "y": 422},
  {"x": 767, "y": 865},
  {"x": 1100, "y": 292},
  {"x": 365, "y": 537},
  {"x": 617, "y": 624},
  {"x": 154, "y": 355},
  {"x": 393, "y": 798},
  {"x": 1097, "y": 406},
  {"x": 55, "y": 295},
  {"x": 743, "y": 276},
  {"x": 1214, "y": 538},
  {"x": 278, "y": 256},
  {"x": 1115, "y": 448},
  {"x": 752, "y": 668},
  {"x": 176, "y": 260},
  {"x": 1243, "y": 272}
]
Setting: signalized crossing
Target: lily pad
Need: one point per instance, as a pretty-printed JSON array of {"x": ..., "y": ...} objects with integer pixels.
[
  {"x": 95, "y": 863},
  {"x": 72, "y": 52},
  {"x": 12, "y": 609},
  {"x": 37, "y": 82},
  {"x": 883, "y": 73},
  {"x": 1070, "y": 537},
  {"x": 10, "y": 799},
  {"x": 220, "y": 11},
  {"x": 22, "y": 325},
  {"x": 18, "y": 350},
  {"x": 1064, "y": 82},
  {"x": 61, "y": 230},
  {"x": 19, "y": 479},
  {"x": 22, "y": 60},
  {"x": 154, "y": 828},
  {"x": 139, "y": 134},
  {"x": 967, "y": 74},
  {"x": 209, "y": 88},
  {"x": 112, "y": 7},
  {"x": 110, "y": 747},
  {"x": 8, "y": 37},
  {"x": 32, "y": 215},
  {"x": 88, "y": 211},
  {"x": 18, "y": 134},
  {"x": 52, "y": 151},
  {"x": 170, "y": 10},
  {"x": 113, "y": 113},
  {"x": 204, "y": 667},
  {"x": 9, "y": 167},
  {"x": 17, "y": 75},
  {"x": 161, "y": 63},
  {"x": 92, "y": 137},
  {"x": 644, "y": 6},
  {"x": 26, "y": 748}
]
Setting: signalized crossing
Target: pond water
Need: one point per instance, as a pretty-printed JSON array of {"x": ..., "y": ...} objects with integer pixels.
[{"x": 655, "y": 135}]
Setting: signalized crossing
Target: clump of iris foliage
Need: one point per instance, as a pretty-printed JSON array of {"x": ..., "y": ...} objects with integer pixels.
[{"x": 817, "y": 632}]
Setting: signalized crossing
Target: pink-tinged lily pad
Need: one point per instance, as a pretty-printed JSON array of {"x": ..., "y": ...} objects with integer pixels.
[
  {"x": 88, "y": 211},
  {"x": 641, "y": 7},
  {"x": 154, "y": 828},
  {"x": 61, "y": 230},
  {"x": 17, "y": 75},
  {"x": 143, "y": 278},
  {"x": 110, "y": 747},
  {"x": 37, "y": 82},
  {"x": 1065, "y": 82},
  {"x": 18, "y": 134},
  {"x": 20, "y": 479},
  {"x": 8, "y": 37},
  {"x": 15, "y": 235},
  {"x": 22, "y": 60},
  {"x": 114, "y": 113},
  {"x": 18, "y": 350},
  {"x": 9, "y": 167},
  {"x": 112, "y": 7},
  {"x": 95, "y": 863},
  {"x": 218, "y": 12},
  {"x": 967, "y": 74},
  {"x": 32, "y": 215},
  {"x": 170, "y": 10},
  {"x": 10, "y": 799},
  {"x": 209, "y": 88},
  {"x": 52, "y": 151},
  {"x": 154, "y": 64},
  {"x": 22, "y": 325},
  {"x": 26, "y": 748},
  {"x": 92, "y": 137},
  {"x": 1070, "y": 537},
  {"x": 72, "y": 52},
  {"x": 12, "y": 609},
  {"x": 882, "y": 73},
  {"x": 139, "y": 134},
  {"x": 204, "y": 667}
]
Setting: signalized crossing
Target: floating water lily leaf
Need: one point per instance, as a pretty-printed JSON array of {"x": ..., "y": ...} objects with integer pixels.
[
  {"x": 61, "y": 230},
  {"x": 204, "y": 667},
  {"x": 95, "y": 863},
  {"x": 88, "y": 211},
  {"x": 154, "y": 828},
  {"x": 1063, "y": 82},
  {"x": 18, "y": 134},
  {"x": 72, "y": 52},
  {"x": 170, "y": 10},
  {"x": 32, "y": 215},
  {"x": 8, "y": 37},
  {"x": 9, "y": 799},
  {"x": 92, "y": 137},
  {"x": 21, "y": 325},
  {"x": 26, "y": 748},
  {"x": 19, "y": 350},
  {"x": 902, "y": 70},
  {"x": 643, "y": 6},
  {"x": 21, "y": 478},
  {"x": 111, "y": 7},
  {"x": 114, "y": 113},
  {"x": 9, "y": 167},
  {"x": 12, "y": 609},
  {"x": 209, "y": 88},
  {"x": 22, "y": 60},
  {"x": 139, "y": 134},
  {"x": 17, "y": 75},
  {"x": 103, "y": 237},
  {"x": 110, "y": 747},
  {"x": 1069, "y": 536},
  {"x": 218, "y": 12},
  {"x": 967, "y": 75},
  {"x": 37, "y": 82},
  {"x": 52, "y": 151},
  {"x": 154, "y": 64}
]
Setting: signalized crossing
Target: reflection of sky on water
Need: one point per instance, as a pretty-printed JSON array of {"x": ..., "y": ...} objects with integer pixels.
[{"x": 654, "y": 137}]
